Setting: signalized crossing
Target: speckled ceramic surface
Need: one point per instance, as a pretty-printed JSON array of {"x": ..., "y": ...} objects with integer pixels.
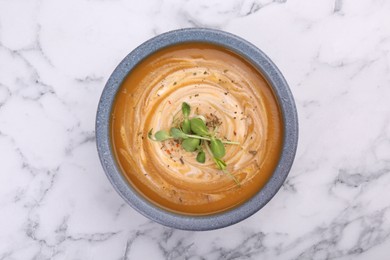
[{"x": 270, "y": 72}]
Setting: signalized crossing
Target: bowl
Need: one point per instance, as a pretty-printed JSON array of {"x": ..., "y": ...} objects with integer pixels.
[{"x": 274, "y": 78}]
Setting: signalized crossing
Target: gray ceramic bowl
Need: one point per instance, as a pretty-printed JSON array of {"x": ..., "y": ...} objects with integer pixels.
[{"x": 270, "y": 72}]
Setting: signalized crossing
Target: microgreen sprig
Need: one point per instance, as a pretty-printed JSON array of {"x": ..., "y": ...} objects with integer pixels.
[
  {"x": 186, "y": 125},
  {"x": 176, "y": 133},
  {"x": 201, "y": 157},
  {"x": 221, "y": 164},
  {"x": 193, "y": 133}
]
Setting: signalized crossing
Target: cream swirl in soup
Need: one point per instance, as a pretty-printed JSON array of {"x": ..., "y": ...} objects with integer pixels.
[{"x": 227, "y": 92}]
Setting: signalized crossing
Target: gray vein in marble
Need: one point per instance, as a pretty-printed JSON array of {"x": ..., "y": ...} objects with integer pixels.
[
  {"x": 250, "y": 247},
  {"x": 5, "y": 95},
  {"x": 28, "y": 83},
  {"x": 90, "y": 78},
  {"x": 177, "y": 251},
  {"x": 130, "y": 241},
  {"x": 289, "y": 186},
  {"x": 327, "y": 239},
  {"x": 6, "y": 255},
  {"x": 94, "y": 237},
  {"x": 119, "y": 210},
  {"x": 257, "y": 6},
  {"x": 239, "y": 9},
  {"x": 63, "y": 236},
  {"x": 254, "y": 8},
  {"x": 362, "y": 66},
  {"x": 37, "y": 46},
  {"x": 83, "y": 138},
  {"x": 44, "y": 189},
  {"x": 24, "y": 164},
  {"x": 338, "y": 4},
  {"x": 354, "y": 179}
]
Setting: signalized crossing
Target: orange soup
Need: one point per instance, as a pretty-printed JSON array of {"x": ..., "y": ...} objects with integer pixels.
[{"x": 220, "y": 86}]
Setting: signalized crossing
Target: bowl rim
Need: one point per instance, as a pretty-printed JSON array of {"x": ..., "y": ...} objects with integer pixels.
[{"x": 281, "y": 90}]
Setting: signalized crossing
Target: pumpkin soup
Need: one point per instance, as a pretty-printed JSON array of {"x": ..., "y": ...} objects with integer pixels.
[{"x": 182, "y": 170}]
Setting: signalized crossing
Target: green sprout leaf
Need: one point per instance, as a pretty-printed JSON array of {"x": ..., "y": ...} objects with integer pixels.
[
  {"x": 185, "y": 109},
  {"x": 177, "y": 133},
  {"x": 238, "y": 183},
  {"x": 190, "y": 144},
  {"x": 217, "y": 148},
  {"x": 220, "y": 164},
  {"x": 161, "y": 135},
  {"x": 199, "y": 127},
  {"x": 201, "y": 157},
  {"x": 186, "y": 126},
  {"x": 150, "y": 134},
  {"x": 200, "y": 117}
]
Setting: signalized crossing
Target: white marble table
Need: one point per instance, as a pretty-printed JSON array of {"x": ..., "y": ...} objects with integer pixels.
[{"x": 55, "y": 201}]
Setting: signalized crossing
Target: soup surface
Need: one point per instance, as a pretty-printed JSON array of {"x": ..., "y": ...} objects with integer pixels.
[{"x": 218, "y": 85}]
